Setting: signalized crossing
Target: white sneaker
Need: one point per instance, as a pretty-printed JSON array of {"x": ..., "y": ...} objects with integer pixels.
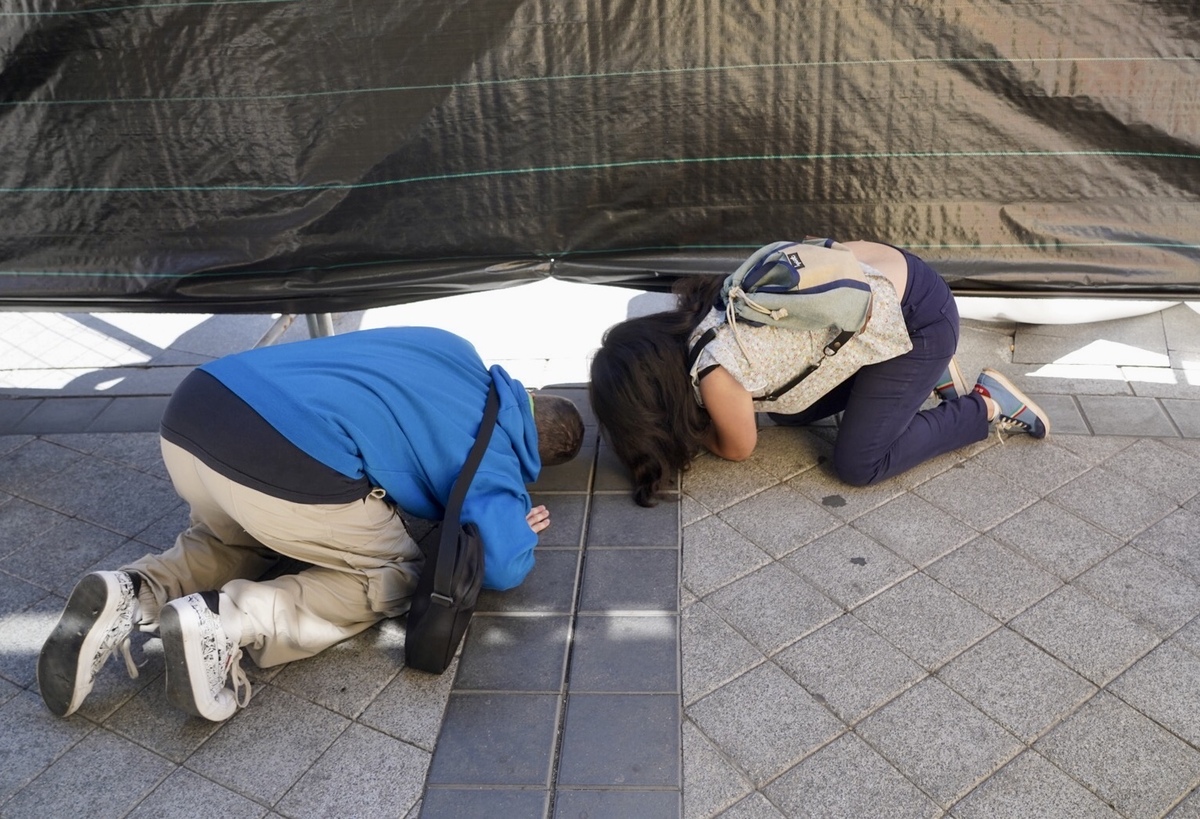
[
  {"x": 100, "y": 614},
  {"x": 200, "y": 657}
]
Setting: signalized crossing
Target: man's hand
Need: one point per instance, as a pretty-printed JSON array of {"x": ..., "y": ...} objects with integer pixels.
[{"x": 538, "y": 518}]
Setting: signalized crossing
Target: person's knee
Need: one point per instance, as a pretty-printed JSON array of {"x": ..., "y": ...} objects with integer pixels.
[{"x": 855, "y": 471}]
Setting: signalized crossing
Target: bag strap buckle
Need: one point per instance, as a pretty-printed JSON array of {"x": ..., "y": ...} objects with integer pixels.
[{"x": 441, "y": 599}]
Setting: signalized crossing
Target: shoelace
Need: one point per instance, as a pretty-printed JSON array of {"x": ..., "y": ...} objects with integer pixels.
[
  {"x": 1006, "y": 424},
  {"x": 241, "y": 682},
  {"x": 127, "y": 654}
]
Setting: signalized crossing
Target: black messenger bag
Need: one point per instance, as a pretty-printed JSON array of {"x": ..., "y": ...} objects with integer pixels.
[{"x": 448, "y": 586}]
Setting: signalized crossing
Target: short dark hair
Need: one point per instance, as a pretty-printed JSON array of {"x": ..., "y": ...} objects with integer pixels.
[{"x": 559, "y": 428}]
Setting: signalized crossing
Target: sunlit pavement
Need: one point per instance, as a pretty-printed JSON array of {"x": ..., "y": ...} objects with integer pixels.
[{"x": 1009, "y": 630}]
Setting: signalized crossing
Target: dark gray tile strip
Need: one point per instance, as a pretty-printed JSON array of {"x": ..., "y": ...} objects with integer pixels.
[{"x": 568, "y": 692}]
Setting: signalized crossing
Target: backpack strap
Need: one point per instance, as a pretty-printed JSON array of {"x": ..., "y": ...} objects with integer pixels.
[{"x": 699, "y": 346}]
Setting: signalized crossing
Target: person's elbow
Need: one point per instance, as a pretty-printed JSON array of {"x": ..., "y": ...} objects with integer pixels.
[{"x": 507, "y": 575}]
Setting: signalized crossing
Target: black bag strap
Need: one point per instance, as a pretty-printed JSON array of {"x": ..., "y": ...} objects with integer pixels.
[
  {"x": 830, "y": 349},
  {"x": 447, "y": 546}
]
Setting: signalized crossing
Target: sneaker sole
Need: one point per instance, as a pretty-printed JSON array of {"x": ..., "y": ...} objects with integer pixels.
[
  {"x": 1034, "y": 408},
  {"x": 59, "y": 669},
  {"x": 960, "y": 383},
  {"x": 178, "y": 650}
]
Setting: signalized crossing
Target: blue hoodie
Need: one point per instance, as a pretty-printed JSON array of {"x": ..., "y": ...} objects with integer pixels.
[{"x": 402, "y": 406}]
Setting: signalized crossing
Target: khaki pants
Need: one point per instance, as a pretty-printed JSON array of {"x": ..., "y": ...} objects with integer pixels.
[{"x": 363, "y": 563}]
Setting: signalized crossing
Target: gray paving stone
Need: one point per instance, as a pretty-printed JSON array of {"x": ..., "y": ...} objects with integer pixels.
[
  {"x": 717, "y": 554},
  {"x": 548, "y": 588},
  {"x": 1185, "y": 415},
  {"x": 691, "y": 510},
  {"x": 101, "y": 776},
  {"x": 779, "y": 520},
  {"x": 997, "y": 580},
  {"x": 345, "y": 678},
  {"x": 1030, "y": 786},
  {"x": 1066, "y": 418},
  {"x": 617, "y": 580},
  {"x": 1152, "y": 594},
  {"x": 1189, "y": 808},
  {"x": 33, "y": 739},
  {"x": 1038, "y": 466},
  {"x": 642, "y": 804},
  {"x": 848, "y": 566},
  {"x": 1165, "y": 686},
  {"x": 514, "y": 654},
  {"x": 1112, "y": 502},
  {"x": 849, "y": 668},
  {"x": 115, "y": 497},
  {"x": 1055, "y": 539},
  {"x": 151, "y": 720},
  {"x": 847, "y": 502},
  {"x": 13, "y": 410},
  {"x": 16, "y": 594},
  {"x": 1088, "y": 636},
  {"x": 477, "y": 745},
  {"x": 1182, "y": 327},
  {"x": 289, "y": 731},
  {"x": 625, "y": 654},
  {"x": 33, "y": 463},
  {"x": 1126, "y": 415},
  {"x": 1016, "y": 684},
  {"x": 1158, "y": 467},
  {"x": 1096, "y": 449},
  {"x": 76, "y": 545},
  {"x": 1137, "y": 340},
  {"x": 978, "y": 497},
  {"x": 847, "y": 779},
  {"x": 22, "y": 637},
  {"x": 915, "y": 529},
  {"x": 180, "y": 793},
  {"x": 718, "y": 483},
  {"x": 754, "y": 806},
  {"x": 764, "y": 721},
  {"x": 1123, "y": 757},
  {"x": 939, "y": 740},
  {"x": 787, "y": 451},
  {"x": 712, "y": 652},
  {"x": 1189, "y": 637},
  {"x": 411, "y": 706},
  {"x": 752, "y": 605},
  {"x": 364, "y": 773},
  {"x": 573, "y": 476},
  {"x": 60, "y": 415},
  {"x": 131, "y": 413},
  {"x": 484, "y": 803},
  {"x": 1173, "y": 541},
  {"x": 566, "y": 519},
  {"x": 610, "y": 474},
  {"x": 22, "y": 521},
  {"x": 617, "y": 521},
  {"x": 925, "y": 620},
  {"x": 710, "y": 782},
  {"x": 626, "y": 740}
]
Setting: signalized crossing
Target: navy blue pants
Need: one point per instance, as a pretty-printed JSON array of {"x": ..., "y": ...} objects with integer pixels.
[{"x": 882, "y": 431}]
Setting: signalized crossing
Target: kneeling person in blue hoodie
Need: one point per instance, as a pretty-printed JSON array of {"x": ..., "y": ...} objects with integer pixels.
[{"x": 307, "y": 451}]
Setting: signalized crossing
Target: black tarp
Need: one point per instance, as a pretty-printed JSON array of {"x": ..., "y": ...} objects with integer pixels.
[{"x": 317, "y": 155}]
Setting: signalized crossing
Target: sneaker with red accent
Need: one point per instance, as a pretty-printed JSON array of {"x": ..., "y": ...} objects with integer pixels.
[
  {"x": 200, "y": 656},
  {"x": 952, "y": 384},
  {"x": 1015, "y": 411}
]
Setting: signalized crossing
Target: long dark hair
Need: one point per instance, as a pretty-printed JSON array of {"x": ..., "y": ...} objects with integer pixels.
[{"x": 641, "y": 392}]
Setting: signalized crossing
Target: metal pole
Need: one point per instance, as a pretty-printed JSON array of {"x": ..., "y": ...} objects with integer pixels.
[{"x": 319, "y": 324}]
